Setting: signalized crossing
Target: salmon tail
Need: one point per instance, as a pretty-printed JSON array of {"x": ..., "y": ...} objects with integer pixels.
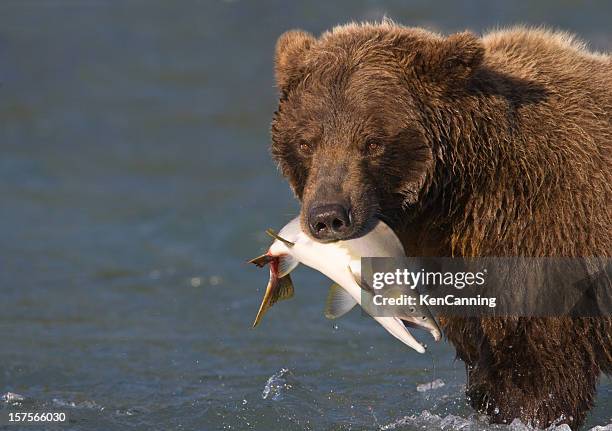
[
  {"x": 262, "y": 260},
  {"x": 277, "y": 290}
]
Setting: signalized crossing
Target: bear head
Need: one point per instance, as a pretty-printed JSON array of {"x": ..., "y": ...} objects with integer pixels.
[{"x": 356, "y": 132}]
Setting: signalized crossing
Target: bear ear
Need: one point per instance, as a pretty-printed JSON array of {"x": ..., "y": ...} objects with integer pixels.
[
  {"x": 290, "y": 50},
  {"x": 451, "y": 60}
]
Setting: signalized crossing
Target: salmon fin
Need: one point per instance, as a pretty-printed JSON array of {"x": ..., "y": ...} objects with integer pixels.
[
  {"x": 354, "y": 268},
  {"x": 339, "y": 302},
  {"x": 277, "y": 289},
  {"x": 285, "y": 289},
  {"x": 286, "y": 264},
  {"x": 262, "y": 260},
  {"x": 276, "y": 236}
]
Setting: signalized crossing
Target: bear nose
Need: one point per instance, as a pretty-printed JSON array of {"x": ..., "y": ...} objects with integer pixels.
[{"x": 329, "y": 222}]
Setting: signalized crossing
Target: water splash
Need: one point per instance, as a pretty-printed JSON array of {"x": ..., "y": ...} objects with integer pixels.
[
  {"x": 11, "y": 397},
  {"x": 424, "y": 387},
  {"x": 276, "y": 385},
  {"x": 431, "y": 421}
]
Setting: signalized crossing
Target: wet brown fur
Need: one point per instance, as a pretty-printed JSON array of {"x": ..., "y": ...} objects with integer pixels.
[{"x": 498, "y": 145}]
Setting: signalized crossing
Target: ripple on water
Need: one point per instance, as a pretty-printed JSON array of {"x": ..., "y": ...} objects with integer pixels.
[{"x": 87, "y": 404}]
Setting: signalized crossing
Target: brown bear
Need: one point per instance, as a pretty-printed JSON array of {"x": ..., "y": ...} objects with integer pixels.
[{"x": 498, "y": 145}]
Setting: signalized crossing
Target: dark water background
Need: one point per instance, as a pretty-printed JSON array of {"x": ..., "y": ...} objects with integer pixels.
[{"x": 135, "y": 181}]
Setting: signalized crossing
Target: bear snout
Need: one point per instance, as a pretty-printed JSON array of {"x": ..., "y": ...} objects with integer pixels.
[{"x": 330, "y": 222}]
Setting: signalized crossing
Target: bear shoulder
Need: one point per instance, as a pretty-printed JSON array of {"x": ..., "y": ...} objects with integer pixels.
[{"x": 535, "y": 42}]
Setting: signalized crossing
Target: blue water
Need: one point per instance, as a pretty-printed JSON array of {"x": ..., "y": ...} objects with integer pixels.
[{"x": 135, "y": 182}]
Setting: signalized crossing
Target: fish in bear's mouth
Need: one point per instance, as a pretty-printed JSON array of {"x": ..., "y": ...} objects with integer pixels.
[{"x": 341, "y": 261}]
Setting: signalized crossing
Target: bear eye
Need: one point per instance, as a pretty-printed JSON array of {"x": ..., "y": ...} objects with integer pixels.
[
  {"x": 373, "y": 146},
  {"x": 305, "y": 147}
]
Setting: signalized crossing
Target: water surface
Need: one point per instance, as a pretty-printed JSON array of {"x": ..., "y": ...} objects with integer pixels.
[{"x": 135, "y": 182}]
